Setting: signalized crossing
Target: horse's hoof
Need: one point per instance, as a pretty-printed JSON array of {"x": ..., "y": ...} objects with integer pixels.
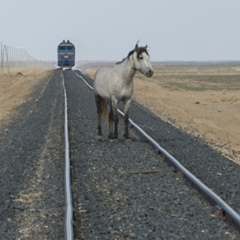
[
  {"x": 99, "y": 137},
  {"x": 128, "y": 140},
  {"x": 126, "y": 136},
  {"x": 112, "y": 136},
  {"x": 114, "y": 140}
]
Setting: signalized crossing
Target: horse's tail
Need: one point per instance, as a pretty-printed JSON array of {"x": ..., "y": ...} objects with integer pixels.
[
  {"x": 104, "y": 108},
  {"x": 101, "y": 102}
]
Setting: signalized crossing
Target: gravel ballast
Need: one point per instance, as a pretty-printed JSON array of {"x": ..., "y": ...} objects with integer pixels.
[{"x": 32, "y": 166}]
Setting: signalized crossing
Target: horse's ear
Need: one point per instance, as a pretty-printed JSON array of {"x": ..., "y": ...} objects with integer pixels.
[
  {"x": 136, "y": 47},
  {"x": 146, "y": 47}
]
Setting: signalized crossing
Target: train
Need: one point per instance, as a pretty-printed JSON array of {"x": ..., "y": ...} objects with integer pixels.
[{"x": 66, "y": 54}]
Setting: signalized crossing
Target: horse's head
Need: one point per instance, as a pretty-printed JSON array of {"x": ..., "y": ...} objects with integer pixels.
[{"x": 141, "y": 60}]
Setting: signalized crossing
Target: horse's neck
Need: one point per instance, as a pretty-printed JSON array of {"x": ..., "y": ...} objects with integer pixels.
[{"x": 126, "y": 70}]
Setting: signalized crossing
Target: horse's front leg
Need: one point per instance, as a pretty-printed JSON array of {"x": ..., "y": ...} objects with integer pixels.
[
  {"x": 126, "y": 117},
  {"x": 115, "y": 119},
  {"x": 110, "y": 122}
]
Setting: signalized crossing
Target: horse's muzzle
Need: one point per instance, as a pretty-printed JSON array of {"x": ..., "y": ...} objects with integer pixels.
[{"x": 149, "y": 73}]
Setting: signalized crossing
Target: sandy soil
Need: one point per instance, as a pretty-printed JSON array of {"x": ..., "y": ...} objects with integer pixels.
[
  {"x": 15, "y": 88},
  {"x": 203, "y": 101}
]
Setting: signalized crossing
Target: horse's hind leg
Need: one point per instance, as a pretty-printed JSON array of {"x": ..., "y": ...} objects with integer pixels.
[
  {"x": 98, "y": 100},
  {"x": 126, "y": 118}
]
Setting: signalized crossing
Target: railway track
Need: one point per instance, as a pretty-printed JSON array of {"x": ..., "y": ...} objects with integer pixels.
[{"x": 221, "y": 206}]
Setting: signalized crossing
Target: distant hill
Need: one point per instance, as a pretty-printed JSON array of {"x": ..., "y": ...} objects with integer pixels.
[
  {"x": 83, "y": 65},
  {"x": 92, "y": 64}
]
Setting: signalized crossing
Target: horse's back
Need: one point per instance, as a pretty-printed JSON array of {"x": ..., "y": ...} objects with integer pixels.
[
  {"x": 103, "y": 73},
  {"x": 102, "y": 78}
]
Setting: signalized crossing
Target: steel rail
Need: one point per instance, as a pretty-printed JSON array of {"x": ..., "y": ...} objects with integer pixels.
[
  {"x": 231, "y": 215},
  {"x": 205, "y": 191},
  {"x": 68, "y": 192}
]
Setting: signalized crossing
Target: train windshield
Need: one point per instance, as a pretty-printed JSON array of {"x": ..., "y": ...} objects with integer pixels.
[
  {"x": 62, "y": 48},
  {"x": 70, "y": 48}
]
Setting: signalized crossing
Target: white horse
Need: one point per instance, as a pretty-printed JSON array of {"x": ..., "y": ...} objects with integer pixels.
[{"x": 115, "y": 84}]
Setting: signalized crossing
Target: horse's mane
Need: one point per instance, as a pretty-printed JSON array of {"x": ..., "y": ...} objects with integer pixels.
[{"x": 139, "y": 52}]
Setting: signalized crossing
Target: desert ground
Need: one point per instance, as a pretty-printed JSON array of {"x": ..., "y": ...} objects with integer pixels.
[
  {"x": 201, "y": 100},
  {"x": 15, "y": 89}
]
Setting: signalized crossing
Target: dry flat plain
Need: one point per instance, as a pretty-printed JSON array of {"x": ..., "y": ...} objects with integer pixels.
[{"x": 202, "y": 100}]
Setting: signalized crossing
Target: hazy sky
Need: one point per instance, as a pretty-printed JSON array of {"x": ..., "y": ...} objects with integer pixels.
[{"x": 108, "y": 29}]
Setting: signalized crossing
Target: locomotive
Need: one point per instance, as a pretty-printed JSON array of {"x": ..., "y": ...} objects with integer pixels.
[{"x": 66, "y": 54}]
